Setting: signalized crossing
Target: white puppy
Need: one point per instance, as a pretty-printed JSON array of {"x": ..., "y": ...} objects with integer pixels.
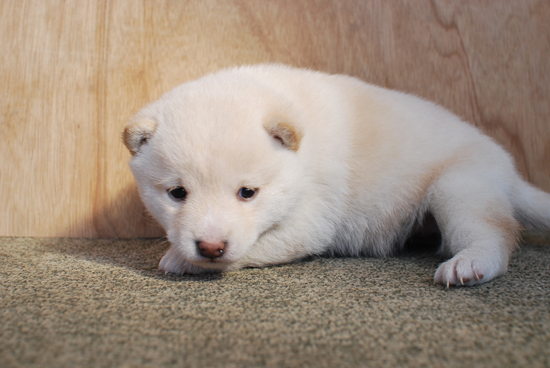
[{"x": 267, "y": 164}]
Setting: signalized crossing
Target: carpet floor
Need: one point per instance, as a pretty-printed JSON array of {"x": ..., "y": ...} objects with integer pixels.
[{"x": 103, "y": 303}]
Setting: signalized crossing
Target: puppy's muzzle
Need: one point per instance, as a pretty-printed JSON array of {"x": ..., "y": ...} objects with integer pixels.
[{"x": 211, "y": 250}]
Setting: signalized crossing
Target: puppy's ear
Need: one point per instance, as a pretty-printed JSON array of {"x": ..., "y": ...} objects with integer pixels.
[
  {"x": 137, "y": 133},
  {"x": 284, "y": 133}
]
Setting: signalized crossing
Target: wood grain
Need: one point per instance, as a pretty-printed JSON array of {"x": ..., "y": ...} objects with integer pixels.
[{"x": 73, "y": 72}]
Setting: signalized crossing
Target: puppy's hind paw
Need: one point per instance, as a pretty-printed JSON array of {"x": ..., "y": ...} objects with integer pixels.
[
  {"x": 174, "y": 263},
  {"x": 462, "y": 270}
]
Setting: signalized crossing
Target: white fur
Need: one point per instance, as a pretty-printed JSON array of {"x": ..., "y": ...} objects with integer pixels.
[{"x": 367, "y": 165}]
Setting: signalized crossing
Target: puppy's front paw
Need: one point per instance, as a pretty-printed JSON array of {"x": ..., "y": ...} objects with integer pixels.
[
  {"x": 466, "y": 270},
  {"x": 173, "y": 262}
]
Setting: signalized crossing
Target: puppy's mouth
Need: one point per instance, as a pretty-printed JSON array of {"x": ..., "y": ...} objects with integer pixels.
[
  {"x": 220, "y": 261},
  {"x": 215, "y": 263}
]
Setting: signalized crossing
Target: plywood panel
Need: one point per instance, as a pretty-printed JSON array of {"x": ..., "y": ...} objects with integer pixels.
[
  {"x": 73, "y": 72},
  {"x": 50, "y": 72}
]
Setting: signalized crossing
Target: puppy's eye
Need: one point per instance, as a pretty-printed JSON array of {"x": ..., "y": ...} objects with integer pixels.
[
  {"x": 177, "y": 193},
  {"x": 246, "y": 193}
]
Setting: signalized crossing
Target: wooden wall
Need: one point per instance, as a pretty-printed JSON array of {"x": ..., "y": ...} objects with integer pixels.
[{"x": 73, "y": 72}]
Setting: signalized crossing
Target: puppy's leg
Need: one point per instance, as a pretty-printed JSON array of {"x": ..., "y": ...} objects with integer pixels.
[
  {"x": 173, "y": 262},
  {"x": 478, "y": 228}
]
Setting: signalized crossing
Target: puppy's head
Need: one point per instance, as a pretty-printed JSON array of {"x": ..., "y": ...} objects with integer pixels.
[{"x": 217, "y": 164}]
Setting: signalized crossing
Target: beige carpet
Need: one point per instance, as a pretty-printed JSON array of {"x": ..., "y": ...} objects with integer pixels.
[{"x": 102, "y": 303}]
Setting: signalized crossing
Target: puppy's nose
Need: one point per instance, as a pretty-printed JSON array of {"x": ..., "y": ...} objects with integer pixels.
[{"x": 210, "y": 250}]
